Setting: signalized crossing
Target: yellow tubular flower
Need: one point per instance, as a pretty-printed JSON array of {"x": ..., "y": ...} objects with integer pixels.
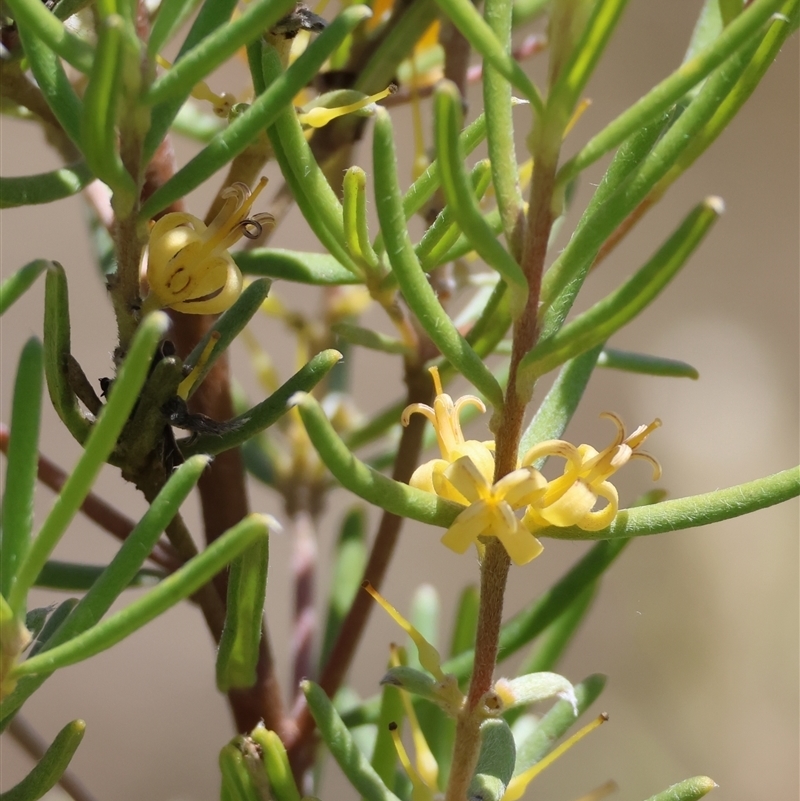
[
  {"x": 570, "y": 499},
  {"x": 189, "y": 268},
  {"x": 465, "y": 474}
]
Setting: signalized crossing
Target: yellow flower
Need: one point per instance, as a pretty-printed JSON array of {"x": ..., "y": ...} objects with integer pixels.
[
  {"x": 465, "y": 474},
  {"x": 189, "y": 268},
  {"x": 570, "y": 499}
]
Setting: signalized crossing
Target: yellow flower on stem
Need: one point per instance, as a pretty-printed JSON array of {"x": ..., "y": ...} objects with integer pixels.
[
  {"x": 465, "y": 474},
  {"x": 189, "y": 268},
  {"x": 570, "y": 499}
]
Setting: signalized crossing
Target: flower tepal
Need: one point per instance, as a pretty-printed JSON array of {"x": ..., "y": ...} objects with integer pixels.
[
  {"x": 465, "y": 474},
  {"x": 189, "y": 268}
]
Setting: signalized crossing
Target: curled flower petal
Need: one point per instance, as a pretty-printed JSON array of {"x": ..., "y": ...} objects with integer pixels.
[{"x": 188, "y": 266}]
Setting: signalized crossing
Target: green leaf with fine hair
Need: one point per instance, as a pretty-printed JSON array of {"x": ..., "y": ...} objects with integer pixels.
[
  {"x": 236, "y": 782},
  {"x": 369, "y": 484},
  {"x": 50, "y": 768},
  {"x": 45, "y": 187},
  {"x": 371, "y": 339},
  {"x": 213, "y": 15},
  {"x": 57, "y": 616},
  {"x": 645, "y": 364},
  {"x": 556, "y": 722},
  {"x": 461, "y": 200},
  {"x": 98, "y": 447},
  {"x": 424, "y": 188},
  {"x": 321, "y": 269},
  {"x": 216, "y": 48},
  {"x": 575, "y": 74},
  {"x": 417, "y": 291},
  {"x": 354, "y": 220},
  {"x": 57, "y": 353},
  {"x": 40, "y": 22},
  {"x": 343, "y": 749},
  {"x": 495, "y": 761},
  {"x": 237, "y": 655},
  {"x": 173, "y": 589},
  {"x": 565, "y": 277},
  {"x": 609, "y": 315},
  {"x": 76, "y": 577},
  {"x": 276, "y": 764},
  {"x": 169, "y": 19},
  {"x": 18, "y": 283},
  {"x": 695, "y": 510},
  {"x": 264, "y": 414},
  {"x": 100, "y": 108},
  {"x": 384, "y": 754},
  {"x": 16, "y": 522},
  {"x": 671, "y": 89},
  {"x": 350, "y": 559},
  {"x": 263, "y": 112},
  {"x": 54, "y": 84},
  {"x": 312, "y": 192},
  {"x": 116, "y": 577},
  {"x": 227, "y": 327},
  {"x": 687, "y": 790},
  {"x": 475, "y": 30},
  {"x": 707, "y": 28}
]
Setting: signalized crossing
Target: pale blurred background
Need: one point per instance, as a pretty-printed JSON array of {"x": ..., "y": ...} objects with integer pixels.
[{"x": 697, "y": 631}]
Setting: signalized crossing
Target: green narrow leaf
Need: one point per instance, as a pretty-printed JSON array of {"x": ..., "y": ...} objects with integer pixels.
[
  {"x": 384, "y": 754},
  {"x": 527, "y": 624},
  {"x": 586, "y": 53},
  {"x": 301, "y": 268},
  {"x": 495, "y": 763},
  {"x": 172, "y": 590},
  {"x": 237, "y": 655},
  {"x": 213, "y": 15},
  {"x": 17, "y": 284},
  {"x": 75, "y": 577},
  {"x": 606, "y": 317},
  {"x": 100, "y": 107},
  {"x": 349, "y": 560},
  {"x": 368, "y": 338},
  {"x": 228, "y": 326},
  {"x": 354, "y": 220},
  {"x": 687, "y": 790},
  {"x": 216, "y": 48},
  {"x": 119, "y": 574},
  {"x": 416, "y": 289},
  {"x": 237, "y": 784},
  {"x": 57, "y": 353},
  {"x": 263, "y": 112},
  {"x": 500, "y": 128},
  {"x": 337, "y": 737},
  {"x": 310, "y": 188},
  {"x": 56, "y": 618},
  {"x": 45, "y": 187},
  {"x": 707, "y": 28},
  {"x": 276, "y": 764},
  {"x": 468, "y": 20},
  {"x": 369, "y": 484},
  {"x": 37, "y": 18},
  {"x": 695, "y": 510},
  {"x": 169, "y": 19},
  {"x": 460, "y": 199},
  {"x": 50, "y": 767},
  {"x": 644, "y": 363},
  {"x": 671, "y": 89},
  {"x": 264, "y": 414},
  {"x": 99, "y": 445},
  {"x": 16, "y": 522}
]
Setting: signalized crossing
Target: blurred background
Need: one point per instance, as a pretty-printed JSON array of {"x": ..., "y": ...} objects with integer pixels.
[{"x": 697, "y": 631}]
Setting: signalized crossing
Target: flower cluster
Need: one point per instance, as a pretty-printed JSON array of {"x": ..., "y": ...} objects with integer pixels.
[
  {"x": 189, "y": 268},
  {"x": 465, "y": 474}
]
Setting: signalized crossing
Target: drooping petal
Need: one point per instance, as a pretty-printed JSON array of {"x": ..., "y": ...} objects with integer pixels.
[
  {"x": 520, "y": 544},
  {"x": 467, "y": 527}
]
